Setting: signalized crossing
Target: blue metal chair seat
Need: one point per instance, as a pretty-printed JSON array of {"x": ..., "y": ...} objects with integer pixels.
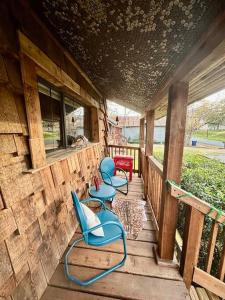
[
  {"x": 113, "y": 231},
  {"x": 107, "y": 169},
  {"x": 116, "y": 181}
]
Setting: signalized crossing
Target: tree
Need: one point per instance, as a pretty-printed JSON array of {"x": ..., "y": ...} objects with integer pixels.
[
  {"x": 216, "y": 114},
  {"x": 197, "y": 117},
  {"x": 205, "y": 113}
]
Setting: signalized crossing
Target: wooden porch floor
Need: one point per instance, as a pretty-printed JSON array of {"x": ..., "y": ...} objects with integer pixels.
[{"x": 140, "y": 277}]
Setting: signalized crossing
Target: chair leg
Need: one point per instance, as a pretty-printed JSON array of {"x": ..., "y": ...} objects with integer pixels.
[
  {"x": 122, "y": 192},
  {"x": 97, "y": 277}
]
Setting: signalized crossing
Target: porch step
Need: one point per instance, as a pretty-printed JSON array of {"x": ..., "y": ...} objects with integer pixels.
[{"x": 198, "y": 293}]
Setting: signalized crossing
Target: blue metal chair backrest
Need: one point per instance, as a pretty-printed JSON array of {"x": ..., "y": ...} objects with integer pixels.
[
  {"x": 79, "y": 213},
  {"x": 107, "y": 165}
]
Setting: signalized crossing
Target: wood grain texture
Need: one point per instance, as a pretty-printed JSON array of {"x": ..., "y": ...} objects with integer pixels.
[
  {"x": 191, "y": 244},
  {"x": 209, "y": 282},
  {"x": 173, "y": 154}
]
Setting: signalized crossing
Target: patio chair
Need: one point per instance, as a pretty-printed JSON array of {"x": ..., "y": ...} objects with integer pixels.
[
  {"x": 107, "y": 169},
  {"x": 113, "y": 231}
]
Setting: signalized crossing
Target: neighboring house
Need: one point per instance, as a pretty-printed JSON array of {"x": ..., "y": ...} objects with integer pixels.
[
  {"x": 130, "y": 128},
  {"x": 115, "y": 136}
]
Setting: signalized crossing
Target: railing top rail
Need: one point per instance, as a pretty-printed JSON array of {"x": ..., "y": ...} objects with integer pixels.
[
  {"x": 156, "y": 164},
  {"x": 197, "y": 203},
  {"x": 124, "y": 146}
]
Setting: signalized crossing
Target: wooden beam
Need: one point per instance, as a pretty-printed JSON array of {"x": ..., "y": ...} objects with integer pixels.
[
  {"x": 47, "y": 69},
  {"x": 142, "y": 133},
  {"x": 150, "y": 117},
  {"x": 173, "y": 154},
  {"x": 202, "y": 48},
  {"x": 209, "y": 282},
  {"x": 95, "y": 131},
  {"x": 34, "y": 16},
  {"x": 194, "y": 221},
  {"x": 33, "y": 110}
]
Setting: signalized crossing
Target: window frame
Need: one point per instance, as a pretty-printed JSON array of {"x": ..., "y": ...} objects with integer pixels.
[{"x": 63, "y": 95}]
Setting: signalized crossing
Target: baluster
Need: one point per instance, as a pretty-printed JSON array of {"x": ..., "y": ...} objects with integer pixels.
[
  {"x": 191, "y": 243},
  {"x": 211, "y": 246},
  {"x": 222, "y": 260}
]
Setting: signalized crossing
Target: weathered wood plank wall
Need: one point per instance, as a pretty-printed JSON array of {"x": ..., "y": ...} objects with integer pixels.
[{"x": 36, "y": 213}]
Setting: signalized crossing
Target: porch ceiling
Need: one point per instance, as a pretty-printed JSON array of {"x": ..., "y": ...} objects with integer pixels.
[{"x": 128, "y": 48}]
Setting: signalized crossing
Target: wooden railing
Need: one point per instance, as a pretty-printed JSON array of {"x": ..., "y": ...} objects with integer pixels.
[
  {"x": 133, "y": 151},
  {"x": 196, "y": 213}
]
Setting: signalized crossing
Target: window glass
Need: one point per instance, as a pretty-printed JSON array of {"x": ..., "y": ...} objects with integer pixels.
[
  {"x": 63, "y": 119},
  {"x": 51, "y": 120},
  {"x": 74, "y": 118}
]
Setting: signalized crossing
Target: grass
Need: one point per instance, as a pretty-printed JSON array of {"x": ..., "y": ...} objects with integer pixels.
[
  {"x": 216, "y": 135},
  {"x": 51, "y": 135},
  {"x": 204, "y": 177}
]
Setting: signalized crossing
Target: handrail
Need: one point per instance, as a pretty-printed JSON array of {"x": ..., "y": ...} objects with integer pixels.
[
  {"x": 195, "y": 214},
  {"x": 156, "y": 164},
  {"x": 133, "y": 151},
  {"x": 124, "y": 146},
  {"x": 196, "y": 203}
]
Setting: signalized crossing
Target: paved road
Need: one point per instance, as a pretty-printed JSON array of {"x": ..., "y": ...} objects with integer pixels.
[{"x": 208, "y": 142}]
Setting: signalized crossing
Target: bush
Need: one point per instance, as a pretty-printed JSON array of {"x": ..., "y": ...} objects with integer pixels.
[{"x": 204, "y": 178}]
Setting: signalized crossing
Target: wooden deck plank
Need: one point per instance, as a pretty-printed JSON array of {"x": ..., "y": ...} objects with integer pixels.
[
  {"x": 134, "y": 264},
  {"x": 122, "y": 285},
  {"x": 147, "y": 236},
  {"x": 148, "y": 226},
  {"x": 55, "y": 293},
  {"x": 139, "y": 279},
  {"x": 144, "y": 235},
  {"x": 133, "y": 247}
]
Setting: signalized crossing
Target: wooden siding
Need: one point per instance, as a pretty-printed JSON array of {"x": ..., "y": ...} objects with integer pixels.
[{"x": 36, "y": 213}]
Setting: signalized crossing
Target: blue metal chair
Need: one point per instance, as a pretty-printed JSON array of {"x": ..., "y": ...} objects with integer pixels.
[
  {"x": 107, "y": 169},
  {"x": 113, "y": 231}
]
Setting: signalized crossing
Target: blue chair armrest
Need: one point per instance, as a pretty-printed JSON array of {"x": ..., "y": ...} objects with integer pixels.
[
  {"x": 94, "y": 199},
  {"x": 102, "y": 172},
  {"x": 105, "y": 224},
  {"x": 123, "y": 172}
]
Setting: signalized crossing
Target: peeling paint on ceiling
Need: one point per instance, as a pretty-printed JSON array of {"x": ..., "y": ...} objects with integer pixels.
[{"x": 128, "y": 48}]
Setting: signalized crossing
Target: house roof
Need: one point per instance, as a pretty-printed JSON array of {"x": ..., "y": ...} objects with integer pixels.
[
  {"x": 134, "y": 121},
  {"x": 129, "y": 49}
]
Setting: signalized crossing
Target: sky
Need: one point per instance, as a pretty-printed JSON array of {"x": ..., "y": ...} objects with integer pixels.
[{"x": 120, "y": 110}]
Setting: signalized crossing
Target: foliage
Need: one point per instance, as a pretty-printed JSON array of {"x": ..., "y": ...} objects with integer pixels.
[
  {"x": 217, "y": 113},
  {"x": 205, "y": 113},
  {"x": 216, "y": 135},
  {"x": 196, "y": 118},
  {"x": 204, "y": 178},
  {"x": 201, "y": 176}
]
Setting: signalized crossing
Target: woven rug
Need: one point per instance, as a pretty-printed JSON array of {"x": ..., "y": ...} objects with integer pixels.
[{"x": 132, "y": 215}]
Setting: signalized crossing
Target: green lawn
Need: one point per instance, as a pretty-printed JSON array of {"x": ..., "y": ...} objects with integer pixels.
[
  {"x": 51, "y": 135},
  {"x": 217, "y": 135},
  {"x": 202, "y": 176}
]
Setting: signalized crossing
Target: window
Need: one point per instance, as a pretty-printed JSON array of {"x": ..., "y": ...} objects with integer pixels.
[
  {"x": 63, "y": 119},
  {"x": 74, "y": 118}
]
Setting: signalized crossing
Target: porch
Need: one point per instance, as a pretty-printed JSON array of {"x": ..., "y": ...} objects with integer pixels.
[
  {"x": 56, "y": 73},
  {"x": 140, "y": 278}
]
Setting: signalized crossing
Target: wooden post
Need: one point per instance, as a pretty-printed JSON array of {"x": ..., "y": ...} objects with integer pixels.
[
  {"x": 174, "y": 144},
  {"x": 141, "y": 143},
  {"x": 194, "y": 221},
  {"x": 150, "y": 117},
  {"x": 142, "y": 133},
  {"x": 95, "y": 130},
  {"x": 33, "y": 109}
]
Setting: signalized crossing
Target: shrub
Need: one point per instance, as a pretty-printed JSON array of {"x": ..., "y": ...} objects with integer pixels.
[{"x": 204, "y": 178}]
